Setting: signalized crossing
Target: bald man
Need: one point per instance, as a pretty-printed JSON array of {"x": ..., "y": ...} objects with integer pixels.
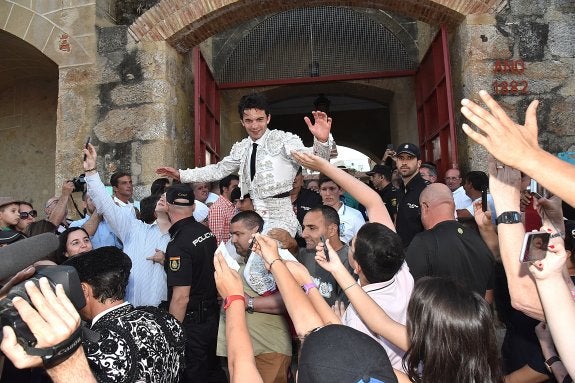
[{"x": 447, "y": 248}]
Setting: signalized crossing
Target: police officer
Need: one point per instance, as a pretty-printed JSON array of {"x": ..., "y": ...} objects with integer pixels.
[
  {"x": 192, "y": 293},
  {"x": 380, "y": 177}
]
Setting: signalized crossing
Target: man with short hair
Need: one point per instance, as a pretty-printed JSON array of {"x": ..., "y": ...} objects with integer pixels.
[
  {"x": 263, "y": 162},
  {"x": 476, "y": 182},
  {"x": 143, "y": 344},
  {"x": 192, "y": 293},
  {"x": 447, "y": 248},
  {"x": 428, "y": 172},
  {"x": 380, "y": 177},
  {"x": 350, "y": 219},
  {"x": 408, "y": 222},
  {"x": 203, "y": 194},
  {"x": 453, "y": 182},
  {"x": 269, "y": 329},
  {"x": 323, "y": 221},
  {"x": 241, "y": 203},
  {"x": 222, "y": 211},
  {"x": 122, "y": 187}
]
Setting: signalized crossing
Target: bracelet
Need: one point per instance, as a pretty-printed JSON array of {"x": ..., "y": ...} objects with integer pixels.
[
  {"x": 90, "y": 170},
  {"x": 272, "y": 262},
  {"x": 230, "y": 298},
  {"x": 350, "y": 286},
  {"x": 308, "y": 286}
]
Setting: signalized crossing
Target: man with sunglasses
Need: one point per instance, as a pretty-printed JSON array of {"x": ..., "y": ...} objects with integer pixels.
[{"x": 27, "y": 216}]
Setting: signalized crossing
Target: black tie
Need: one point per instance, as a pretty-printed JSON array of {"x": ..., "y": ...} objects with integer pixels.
[{"x": 253, "y": 161}]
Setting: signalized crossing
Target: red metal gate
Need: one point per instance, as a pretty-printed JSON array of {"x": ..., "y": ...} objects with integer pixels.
[
  {"x": 434, "y": 101},
  {"x": 206, "y": 113}
]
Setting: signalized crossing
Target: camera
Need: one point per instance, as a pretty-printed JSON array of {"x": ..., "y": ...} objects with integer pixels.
[
  {"x": 79, "y": 183},
  {"x": 64, "y": 275}
]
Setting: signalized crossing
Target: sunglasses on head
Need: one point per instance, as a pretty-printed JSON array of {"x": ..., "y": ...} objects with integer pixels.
[{"x": 26, "y": 214}]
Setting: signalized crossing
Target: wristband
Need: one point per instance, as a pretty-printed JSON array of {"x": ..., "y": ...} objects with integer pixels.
[
  {"x": 230, "y": 298},
  {"x": 272, "y": 262},
  {"x": 308, "y": 286},
  {"x": 549, "y": 362},
  {"x": 53, "y": 356},
  {"x": 90, "y": 170}
]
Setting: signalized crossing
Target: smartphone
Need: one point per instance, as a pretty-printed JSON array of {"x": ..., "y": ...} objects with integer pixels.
[
  {"x": 251, "y": 244},
  {"x": 534, "y": 246},
  {"x": 86, "y": 146},
  {"x": 484, "y": 200},
  {"x": 325, "y": 250}
]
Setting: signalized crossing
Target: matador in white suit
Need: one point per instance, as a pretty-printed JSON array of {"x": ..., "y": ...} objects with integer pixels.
[{"x": 273, "y": 165}]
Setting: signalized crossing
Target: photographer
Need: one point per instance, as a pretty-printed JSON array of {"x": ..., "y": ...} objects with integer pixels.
[{"x": 52, "y": 320}]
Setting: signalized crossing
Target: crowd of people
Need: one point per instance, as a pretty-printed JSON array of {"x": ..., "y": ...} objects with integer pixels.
[{"x": 400, "y": 279}]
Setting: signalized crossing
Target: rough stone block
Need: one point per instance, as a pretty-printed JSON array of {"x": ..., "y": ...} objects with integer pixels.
[
  {"x": 529, "y": 7},
  {"x": 565, "y": 6},
  {"x": 143, "y": 122},
  {"x": 532, "y": 40},
  {"x": 142, "y": 92},
  {"x": 111, "y": 39},
  {"x": 487, "y": 43},
  {"x": 562, "y": 39}
]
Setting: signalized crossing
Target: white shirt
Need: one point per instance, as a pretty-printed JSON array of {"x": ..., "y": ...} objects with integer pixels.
[
  {"x": 392, "y": 296},
  {"x": 350, "y": 221},
  {"x": 147, "y": 284},
  {"x": 461, "y": 199}
]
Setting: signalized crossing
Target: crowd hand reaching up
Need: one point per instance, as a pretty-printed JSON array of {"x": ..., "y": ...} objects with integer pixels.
[
  {"x": 228, "y": 281},
  {"x": 166, "y": 171},
  {"x": 267, "y": 248},
  {"x": 320, "y": 127},
  {"x": 334, "y": 264},
  {"x": 299, "y": 272},
  {"x": 90, "y": 157},
  {"x": 551, "y": 212},
  {"x": 509, "y": 142},
  {"x": 339, "y": 309},
  {"x": 310, "y": 161},
  {"x": 482, "y": 218}
]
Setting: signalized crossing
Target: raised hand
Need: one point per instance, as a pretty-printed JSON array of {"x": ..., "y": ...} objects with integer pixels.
[
  {"x": 166, "y": 171},
  {"x": 228, "y": 281},
  {"x": 321, "y": 126},
  {"x": 502, "y": 137},
  {"x": 334, "y": 262}
]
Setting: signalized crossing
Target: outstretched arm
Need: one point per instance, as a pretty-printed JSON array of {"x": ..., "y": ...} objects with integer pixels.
[
  {"x": 305, "y": 318},
  {"x": 517, "y": 146},
  {"x": 241, "y": 362},
  {"x": 505, "y": 187},
  {"x": 557, "y": 300},
  {"x": 376, "y": 210}
]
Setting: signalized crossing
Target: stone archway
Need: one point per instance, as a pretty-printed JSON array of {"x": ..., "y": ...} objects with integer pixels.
[
  {"x": 186, "y": 24},
  {"x": 60, "y": 41}
]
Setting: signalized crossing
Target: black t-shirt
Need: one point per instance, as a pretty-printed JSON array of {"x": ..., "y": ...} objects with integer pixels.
[
  {"x": 450, "y": 249},
  {"x": 190, "y": 260},
  {"x": 408, "y": 222},
  {"x": 389, "y": 195}
]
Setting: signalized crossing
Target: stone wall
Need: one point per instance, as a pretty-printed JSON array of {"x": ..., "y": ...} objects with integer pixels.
[
  {"x": 144, "y": 110},
  {"x": 536, "y": 35},
  {"x": 28, "y": 140}
]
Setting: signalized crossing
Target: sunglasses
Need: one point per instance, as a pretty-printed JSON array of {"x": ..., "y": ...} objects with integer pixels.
[{"x": 26, "y": 214}]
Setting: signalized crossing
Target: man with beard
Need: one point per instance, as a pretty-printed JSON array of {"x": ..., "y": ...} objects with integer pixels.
[
  {"x": 408, "y": 222},
  {"x": 269, "y": 332}
]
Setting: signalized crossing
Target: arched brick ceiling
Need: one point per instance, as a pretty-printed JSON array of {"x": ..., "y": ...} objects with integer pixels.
[{"x": 186, "y": 23}]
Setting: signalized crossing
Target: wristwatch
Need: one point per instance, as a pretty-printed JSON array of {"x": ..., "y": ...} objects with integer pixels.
[
  {"x": 250, "y": 308},
  {"x": 509, "y": 217},
  {"x": 549, "y": 362}
]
